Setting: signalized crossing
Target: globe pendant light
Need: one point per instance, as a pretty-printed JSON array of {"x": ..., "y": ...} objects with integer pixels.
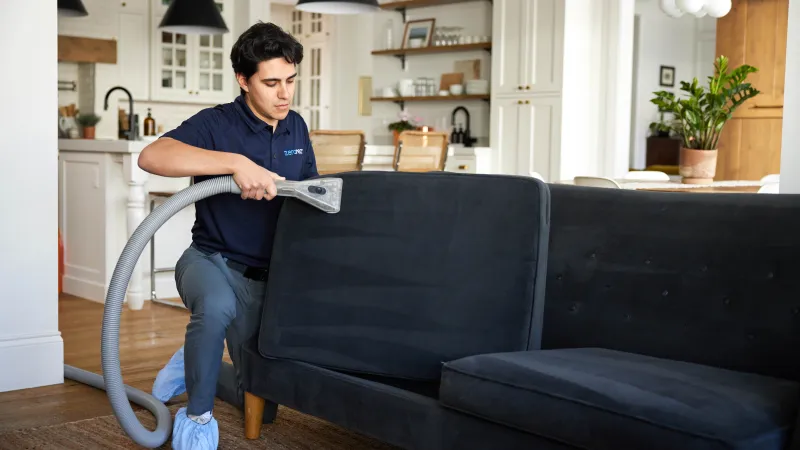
[
  {"x": 193, "y": 17},
  {"x": 698, "y": 8},
  {"x": 71, "y": 8},
  {"x": 338, "y": 6}
]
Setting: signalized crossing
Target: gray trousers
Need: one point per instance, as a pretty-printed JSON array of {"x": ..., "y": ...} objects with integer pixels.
[{"x": 224, "y": 306}]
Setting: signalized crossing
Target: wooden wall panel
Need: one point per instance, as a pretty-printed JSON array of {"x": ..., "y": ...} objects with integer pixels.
[
  {"x": 749, "y": 148},
  {"x": 754, "y": 33}
]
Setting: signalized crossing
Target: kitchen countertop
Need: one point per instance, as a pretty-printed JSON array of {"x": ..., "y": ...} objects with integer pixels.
[
  {"x": 103, "y": 145},
  {"x": 124, "y": 146}
]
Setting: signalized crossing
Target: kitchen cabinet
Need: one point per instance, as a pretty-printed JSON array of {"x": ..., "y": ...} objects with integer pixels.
[
  {"x": 527, "y": 62},
  {"x": 525, "y": 135},
  {"x": 156, "y": 65},
  {"x": 527, "y": 46},
  {"x": 126, "y": 23},
  {"x": 313, "y": 85},
  {"x": 187, "y": 67}
]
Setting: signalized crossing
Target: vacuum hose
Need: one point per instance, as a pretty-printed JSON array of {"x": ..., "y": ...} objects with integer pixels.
[{"x": 118, "y": 393}]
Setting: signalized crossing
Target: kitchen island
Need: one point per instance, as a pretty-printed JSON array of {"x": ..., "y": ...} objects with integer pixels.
[{"x": 104, "y": 196}]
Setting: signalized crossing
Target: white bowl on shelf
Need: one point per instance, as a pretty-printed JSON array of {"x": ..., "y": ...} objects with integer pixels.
[{"x": 477, "y": 87}]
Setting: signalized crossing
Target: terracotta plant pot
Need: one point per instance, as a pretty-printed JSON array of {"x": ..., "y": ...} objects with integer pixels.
[
  {"x": 88, "y": 132},
  {"x": 698, "y": 166}
]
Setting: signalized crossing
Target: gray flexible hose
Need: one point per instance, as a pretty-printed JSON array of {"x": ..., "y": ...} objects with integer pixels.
[{"x": 118, "y": 393}]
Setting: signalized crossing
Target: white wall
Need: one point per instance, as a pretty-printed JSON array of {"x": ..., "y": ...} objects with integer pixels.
[
  {"x": 31, "y": 349},
  {"x": 281, "y": 15},
  {"x": 685, "y": 43},
  {"x": 347, "y": 68},
  {"x": 790, "y": 143}
]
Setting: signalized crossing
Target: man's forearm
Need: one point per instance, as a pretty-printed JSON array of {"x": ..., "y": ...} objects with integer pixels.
[{"x": 171, "y": 158}]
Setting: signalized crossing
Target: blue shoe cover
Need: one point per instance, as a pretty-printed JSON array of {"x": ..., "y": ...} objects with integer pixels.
[
  {"x": 171, "y": 380},
  {"x": 190, "y": 435}
]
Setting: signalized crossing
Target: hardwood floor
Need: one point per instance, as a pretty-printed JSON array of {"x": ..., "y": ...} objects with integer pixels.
[{"x": 148, "y": 338}]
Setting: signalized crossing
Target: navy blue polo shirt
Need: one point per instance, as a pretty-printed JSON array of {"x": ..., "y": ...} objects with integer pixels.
[{"x": 243, "y": 230}]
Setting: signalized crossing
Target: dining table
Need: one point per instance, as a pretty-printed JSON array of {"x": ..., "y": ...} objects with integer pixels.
[
  {"x": 675, "y": 185},
  {"x": 734, "y": 186}
]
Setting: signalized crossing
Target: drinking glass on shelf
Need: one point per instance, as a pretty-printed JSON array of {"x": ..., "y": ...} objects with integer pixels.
[{"x": 438, "y": 36}]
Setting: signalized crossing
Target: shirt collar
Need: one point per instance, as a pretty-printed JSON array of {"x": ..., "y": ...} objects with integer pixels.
[{"x": 252, "y": 121}]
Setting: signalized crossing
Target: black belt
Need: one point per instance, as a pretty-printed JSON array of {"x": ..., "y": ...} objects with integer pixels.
[{"x": 254, "y": 273}]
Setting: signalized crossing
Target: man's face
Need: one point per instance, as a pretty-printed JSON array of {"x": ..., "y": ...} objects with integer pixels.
[{"x": 270, "y": 90}]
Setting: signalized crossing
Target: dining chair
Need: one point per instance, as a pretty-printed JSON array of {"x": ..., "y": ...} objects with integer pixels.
[
  {"x": 601, "y": 182},
  {"x": 769, "y": 188},
  {"x": 338, "y": 151},
  {"x": 771, "y": 178},
  {"x": 420, "y": 151},
  {"x": 646, "y": 175}
]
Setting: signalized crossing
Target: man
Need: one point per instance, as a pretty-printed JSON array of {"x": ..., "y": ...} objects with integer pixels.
[{"x": 221, "y": 277}]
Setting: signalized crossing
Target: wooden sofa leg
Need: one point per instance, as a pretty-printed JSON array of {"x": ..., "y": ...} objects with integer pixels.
[{"x": 253, "y": 415}]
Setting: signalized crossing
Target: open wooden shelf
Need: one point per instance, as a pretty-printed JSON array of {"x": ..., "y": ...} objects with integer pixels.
[
  {"x": 401, "y": 53},
  {"x": 410, "y": 4},
  {"x": 403, "y": 5},
  {"x": 434, "y": 49},
  {"x": 431, "y": 98}
]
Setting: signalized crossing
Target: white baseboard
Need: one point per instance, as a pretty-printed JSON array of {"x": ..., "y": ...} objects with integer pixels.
[
  {"x": 31, "y": 361},
  {"x": 89, "y": 290}
]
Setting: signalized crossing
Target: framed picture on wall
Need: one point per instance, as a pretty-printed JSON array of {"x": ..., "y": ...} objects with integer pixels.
[
  {"x": 667, "y": 76},
  {"x": 418, "y": 33}
]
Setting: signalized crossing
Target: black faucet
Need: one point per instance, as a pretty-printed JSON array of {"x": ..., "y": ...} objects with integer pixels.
[
  {"x": 131, "y": 119},
  {"x": 466, "y": 139}
]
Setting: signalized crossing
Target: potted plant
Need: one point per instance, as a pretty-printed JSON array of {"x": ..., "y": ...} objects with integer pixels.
[
  {"x": 661, "y": 128},
  {"x": 405, "y": 123},
  {"x": 701, "y": 117},
  {"x": 88, "y": 122}
]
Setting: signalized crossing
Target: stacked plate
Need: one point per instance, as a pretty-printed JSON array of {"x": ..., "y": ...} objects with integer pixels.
[{"x": 477, "y": 87}]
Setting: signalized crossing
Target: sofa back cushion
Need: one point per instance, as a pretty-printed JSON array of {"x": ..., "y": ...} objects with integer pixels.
[
  {"x": 416, "y": 269},
  {"x": 700, "y": 277}
]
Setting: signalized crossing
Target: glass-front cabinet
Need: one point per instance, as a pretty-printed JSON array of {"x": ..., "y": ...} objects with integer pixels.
[
  {"x": 189, "y": 67},
  {"x": 312, "y": 93}
]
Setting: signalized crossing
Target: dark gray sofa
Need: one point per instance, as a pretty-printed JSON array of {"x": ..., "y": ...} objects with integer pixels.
[{"x": 450, "y": 311}]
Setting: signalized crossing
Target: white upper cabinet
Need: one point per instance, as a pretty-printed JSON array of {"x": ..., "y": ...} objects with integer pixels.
[
  {"x": 527, "y": 46},
  {"x": 156, "y": 65},
  {"x": 187, "y": 67},
  {"x": 527, "y": 66}
]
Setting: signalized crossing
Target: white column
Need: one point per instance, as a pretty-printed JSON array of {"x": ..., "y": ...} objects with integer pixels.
[
  {"x": 31, "y": 348},
  {"x": 137, "y": 198},
  {"x": 596, "y": 94},
  {"x": 790, "y": 142},
  {"x": 619, "y": 77}
]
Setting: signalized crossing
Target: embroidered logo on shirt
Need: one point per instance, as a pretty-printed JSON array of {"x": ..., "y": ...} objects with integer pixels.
[{"x": 297, "y": 151}]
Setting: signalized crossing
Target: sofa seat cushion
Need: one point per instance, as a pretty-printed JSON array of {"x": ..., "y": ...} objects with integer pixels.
[{"x": 605, "y": 399}]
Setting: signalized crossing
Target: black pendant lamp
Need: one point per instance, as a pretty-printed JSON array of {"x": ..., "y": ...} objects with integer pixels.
[
  {"x": 193, "y": 17},
  {"x": 71, "y": 8},
  {"x": 338, "y": 6}
]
